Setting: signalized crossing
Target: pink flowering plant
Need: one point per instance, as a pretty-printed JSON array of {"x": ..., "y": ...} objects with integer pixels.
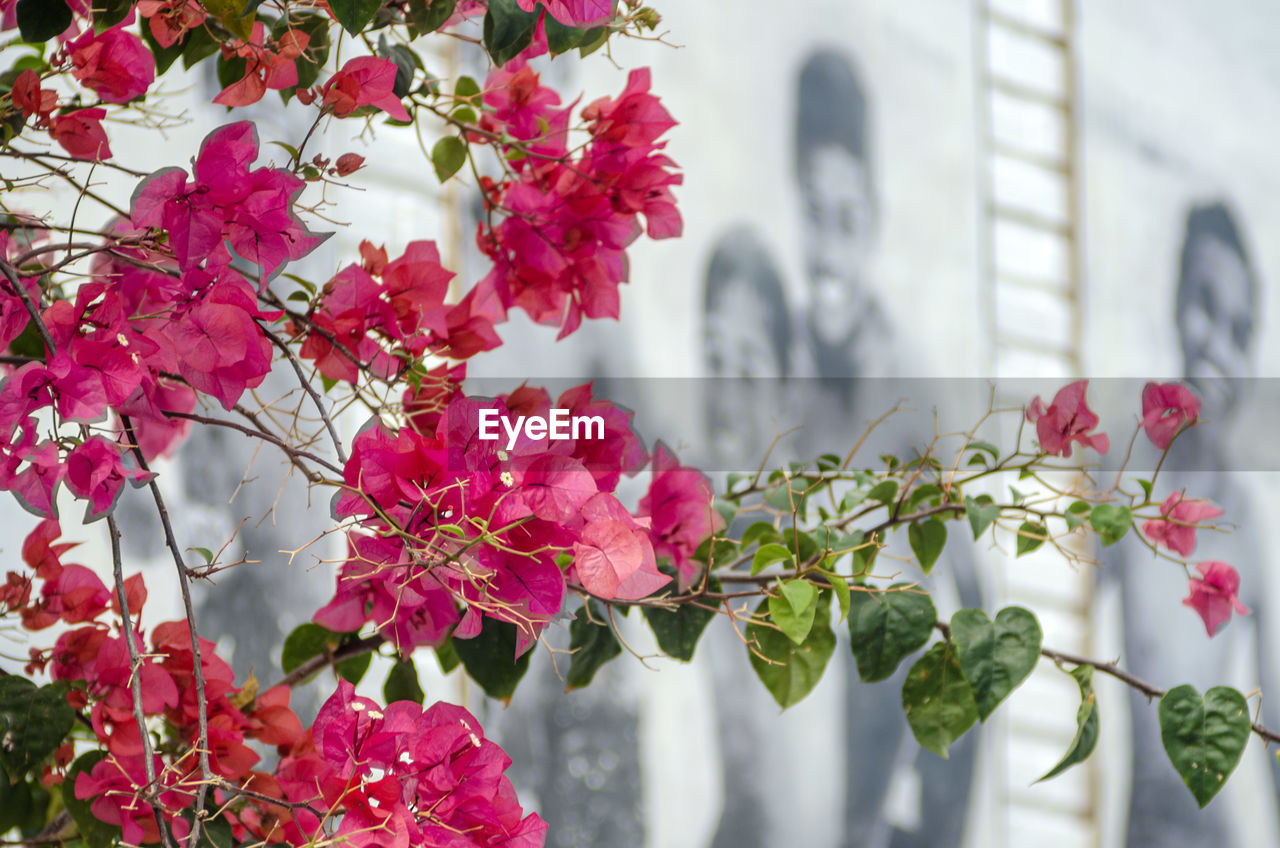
[{"x": 118, "y": 340}]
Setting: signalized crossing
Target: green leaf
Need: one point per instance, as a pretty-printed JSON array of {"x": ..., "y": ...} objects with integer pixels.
[
  {"x": 448, "y": 155},
  {"x": 200, "y": 45},
  {"x": 789, "y": 497},
  {"x": 790, "y": 671},
  {"x": 230, "y": 70},
  {"x": 402, "y": 683},
  {"x": 678, "y": 630},
  {"x": 217, "y": 833},
  {"x": 33, "y": 722},
  {"x": 1111, "y": 522},
  {"x": 306, "y": 641},
  {"x": 1204, "y": 737},
  {"x": 927, "y": 539},
  {"x": 24, "y": 804},
  {"x": 96, "y": 833},
  {"x": 1031, "y": 535},
  {"x": 108, "y": 13},
  {"x": 429, "y": 15},
  {"x": 984, "y": 446},
  {"x": 41, "y": 20},
  {"x": 205, "y": 554},
  {"x": 829, "y": 462},
  {"x": 354, "y": 15},
  {"x": 489, "y": 659},
  {"x": 852, "y": 499},
  {"x": 353, "y": 669},
  {"x": 793, "y": 608},
  {"x": 995, "y": 657},
  {"x": 1086, "y": 737},
  {"x": 1077, "y": 514},
  {"x": 447, "y": 656},
  {"x": 925, "y": 492},
  {"x": 938, "y": 700},
  {"x": 767, "y": 555},
  {"x": 561, "y": 38},
  {"x": 981, "y": 511},
  {"x": 885, "y": 627},
  {"x": 842, "y": 593},
  {"x": 760, "y": 531},
  {"x": 808, "y": 546},
  {"x": 593, "y": 40},
  {"x": 593, "y": 644},
  {"x": 405, "y": 61},
  {"x": 884, "y": 491},
  {"x": 1146, "y": 487},
  {"x": 507, "y": 30}
]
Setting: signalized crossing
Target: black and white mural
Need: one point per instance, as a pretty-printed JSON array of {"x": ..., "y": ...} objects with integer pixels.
[{"x": 1180, "y": 103}]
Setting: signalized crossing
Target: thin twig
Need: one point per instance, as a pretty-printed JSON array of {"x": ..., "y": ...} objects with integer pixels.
[{"x": 135, "y": 668}]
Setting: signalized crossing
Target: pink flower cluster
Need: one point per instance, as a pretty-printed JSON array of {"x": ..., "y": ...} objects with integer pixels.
[
  {"x": 385, "y": 314},
  {"x": 398, "y": 775},
  {"x": 114, "y": 64},
  {"x": 173, "y": 308},
  {"x": 559, "y": 251},
  {"x": 402, "y": 775},
  {"x": 463, "y": 519},
  {"x": 94, "y": 651}
]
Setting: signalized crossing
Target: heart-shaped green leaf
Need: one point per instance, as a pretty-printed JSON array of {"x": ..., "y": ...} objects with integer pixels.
[
  {"x": 1110, "y": 522},
  {"x": 678, "y": 630},
  {"x": 938, "y": 700},
  {"x": 768, "y": 554},
  {"x": 1204, "y": 737},
  {"x": 884, "y": 627},
  {"x": 927, "y": 539},
  {"x": 792, "y": 609},
  {"x": 1031, "y": 536},
  {"x": 995, "y": 656},
  {"x": 593, "y": 644},
  {"x": 790, "y": 671},
  {"x": 981, "y": 512}
]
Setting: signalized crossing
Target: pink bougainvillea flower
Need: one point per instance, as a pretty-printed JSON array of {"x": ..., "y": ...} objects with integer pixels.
[
  {"x": 266, "y": 66},
  {"x": 1068, "y": 419},
  {"x": 31, "y": 98},
  {"x": 574, "y": 13},
  {"x": 1177, "y": 529},
  {"x": 114, "y": 63},
  {"x": 1167, "y": 408},
  {"x": 1213, "y": 594},
  {"x": 364, "y": 81},
  {"x": 95, "y": 473},
  {"x": 171, "y": 19},
  {"x": 80, "y": 133},
  {"x": 679, "y": 506}
]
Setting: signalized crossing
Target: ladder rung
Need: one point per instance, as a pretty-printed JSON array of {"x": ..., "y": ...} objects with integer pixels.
[
  {"x": 1025, "y": 727},
  {"x": 1028, "y": 344},
  {"x": 1048, "y": 285},
  {"x": 1042, "y": 803},
  {"x": 1009, "y": 22},
  {"x": 1030, "y": 218},
  {"x": 1042, "y": 161},
  {"x": 1025, "y": 92}
]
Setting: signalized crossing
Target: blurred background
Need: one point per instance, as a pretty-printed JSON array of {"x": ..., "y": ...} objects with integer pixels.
[{"x": 884, "y": 190}]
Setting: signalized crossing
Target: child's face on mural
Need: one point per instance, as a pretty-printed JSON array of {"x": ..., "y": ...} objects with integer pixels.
[
  {"x": 739, "y": 351},
  {"x": 1216, "y": 324},
  {"x": 837, "y": 234}
]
